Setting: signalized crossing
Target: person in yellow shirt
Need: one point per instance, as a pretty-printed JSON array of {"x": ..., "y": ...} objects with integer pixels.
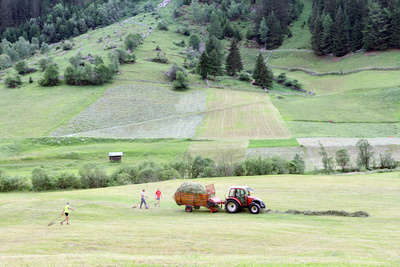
[{"x": 65, "y": 211}]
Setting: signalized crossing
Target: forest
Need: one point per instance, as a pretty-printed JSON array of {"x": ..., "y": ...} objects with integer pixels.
[{"x": 341, "y": 26}]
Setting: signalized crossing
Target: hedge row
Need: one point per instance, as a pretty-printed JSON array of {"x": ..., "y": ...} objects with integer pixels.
[{"x": 91, "y": 176}]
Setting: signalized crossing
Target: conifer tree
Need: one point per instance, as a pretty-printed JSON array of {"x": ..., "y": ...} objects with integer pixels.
[
  {"x": 327, "y": 43},
  {"x": 356, "y": 39},
  {"x": 275, "y": 36},
  {"x": 263, "y": 75},
  {"x": 215, "y": 28},
  {"x": 233, "y": 62},
  {"x": 264, "y": 32},
  {"x": 376, "y": 31},
  {"x": 339, "y": 34},
  {"x": 394, "y": 39},
  {"x": 203, "y": 66},
  {"x": 316, "y": 37}
]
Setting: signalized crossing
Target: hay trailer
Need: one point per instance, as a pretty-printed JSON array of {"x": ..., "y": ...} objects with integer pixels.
[{"x": 197, "y": 200}]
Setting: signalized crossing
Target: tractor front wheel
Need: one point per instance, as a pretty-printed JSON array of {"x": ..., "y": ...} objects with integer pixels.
[
  {"x": 232, "y": 206},
  {"x": 188, "y": 208},
  {"x": 255, "y": 208}
]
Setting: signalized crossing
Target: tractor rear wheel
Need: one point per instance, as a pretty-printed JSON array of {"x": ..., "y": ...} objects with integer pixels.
[
  {"x": 255, "y": 208},
  {"x": 188, "y": 208},
  {"x": 232, "y": 206}
]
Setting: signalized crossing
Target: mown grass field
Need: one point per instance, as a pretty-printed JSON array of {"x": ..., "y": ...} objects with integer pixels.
[
  {"x": 241, "y": 115},
  {"x": 105, "y": 230}
]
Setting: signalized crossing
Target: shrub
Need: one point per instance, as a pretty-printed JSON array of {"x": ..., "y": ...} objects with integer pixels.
[
  {"x": 44, "y": 62},
  {"x": 180, "y": 44},
  {"x": 171, "y": 73},
  {"x": 13, "y": 82},
  {"x": 194, "y": 41},
  {"x": 5, "y": 62},
  {"x": 132, "y": 41},
  {"x": 160, "y": 58},
  {"x": 125, "y": 57},
  {"x": 66, "y": 46},
  {"x": 183, "y": 30},
  {"x": 244, "y": 77},
  {"x": 41, "y": 180},
  {"x": 387, "y": 162},
  {"x": 67, "y": 181},
  {"x": 281, "y": 78},
  {"x": 15, "y": 183},
  {"x": 180, "y": 82},
  {"x": 50, "y": 77},
  {"x": 22, "y": 68},
  {"x": 162, "y": 26},
  {"x": 45, "y": 48},
  {"x": 93, "y": 177}
]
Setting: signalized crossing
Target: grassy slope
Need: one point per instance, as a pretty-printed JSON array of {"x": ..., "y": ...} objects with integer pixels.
[
  {"x": 104, "y": 229},
  {"x": 21, "y": 156}
]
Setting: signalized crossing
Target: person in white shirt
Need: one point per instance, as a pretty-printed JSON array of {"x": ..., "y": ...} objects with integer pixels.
[{"x": 143, "y": 199}]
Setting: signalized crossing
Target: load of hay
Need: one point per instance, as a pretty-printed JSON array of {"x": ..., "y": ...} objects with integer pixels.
[{"x": 192, "y": 188}]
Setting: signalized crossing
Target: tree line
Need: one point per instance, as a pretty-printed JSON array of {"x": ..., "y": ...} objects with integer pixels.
[
  {"x": 55, "y": 20},
  {"x": 92, "y": 176},
  {"x": 341, "y": 26}
]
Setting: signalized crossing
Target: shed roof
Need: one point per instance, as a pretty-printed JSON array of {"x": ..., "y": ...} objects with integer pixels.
[{"x": 115, "y": 154}]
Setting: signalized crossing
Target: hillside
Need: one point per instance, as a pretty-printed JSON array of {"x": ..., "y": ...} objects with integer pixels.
[{"x": 363, "y": 100}]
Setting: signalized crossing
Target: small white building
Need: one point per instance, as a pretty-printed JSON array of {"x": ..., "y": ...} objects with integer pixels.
[{"x": 115, "y": 156}]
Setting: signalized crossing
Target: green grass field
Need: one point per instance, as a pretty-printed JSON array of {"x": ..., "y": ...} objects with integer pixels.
[
  {"x": 365, "y": 106},
  {"x": 273, "y": 143},
  {"x": 20, "y": 157},
  {"x": 105, "y": 230}
]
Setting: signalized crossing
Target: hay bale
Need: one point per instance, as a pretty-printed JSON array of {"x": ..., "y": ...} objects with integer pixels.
[{"x": 192, "y": 188}]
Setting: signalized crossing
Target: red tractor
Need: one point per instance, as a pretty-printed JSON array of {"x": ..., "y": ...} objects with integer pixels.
[{"x": 239, "y": 198}]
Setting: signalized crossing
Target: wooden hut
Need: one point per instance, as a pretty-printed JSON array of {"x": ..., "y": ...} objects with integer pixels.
[{"x": 115, "y": 156}]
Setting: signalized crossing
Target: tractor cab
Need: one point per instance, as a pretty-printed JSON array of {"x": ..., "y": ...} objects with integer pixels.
[
  {"x": 239, "y": 197},
  {"x": 240, "y": 193}
]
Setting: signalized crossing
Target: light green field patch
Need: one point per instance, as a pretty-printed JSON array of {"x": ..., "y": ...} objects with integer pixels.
[
  {"x": 359, "y": 130},
  {"x": 32, "y": 111},
  {"x": 332, "y": 84},
  {"x": 273, "y": 143},
  {"x": 365, "y": 106}
]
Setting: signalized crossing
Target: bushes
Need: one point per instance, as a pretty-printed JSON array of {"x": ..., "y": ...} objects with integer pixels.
[
  {"x": 162, "y": 26},
  {"x": 93, "y": 177},
  {"x": 22, "y": 68},
  {"x": 50, "y": 77},
  {"x": 9, "y": 183},
  {"x": 13, "y": 82}
]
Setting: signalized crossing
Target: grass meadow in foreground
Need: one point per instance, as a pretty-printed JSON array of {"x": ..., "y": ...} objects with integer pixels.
[{"x": 106, "y": 231}]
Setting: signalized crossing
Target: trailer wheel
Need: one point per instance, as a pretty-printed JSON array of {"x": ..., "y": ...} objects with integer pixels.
[
  {"x": 255, "y": 208},
  {"x": 232, "y": 206},
  {"x": 188, "y": 208}
]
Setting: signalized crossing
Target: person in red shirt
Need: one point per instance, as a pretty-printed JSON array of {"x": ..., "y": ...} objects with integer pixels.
[{"x": 158, "y": 197}]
